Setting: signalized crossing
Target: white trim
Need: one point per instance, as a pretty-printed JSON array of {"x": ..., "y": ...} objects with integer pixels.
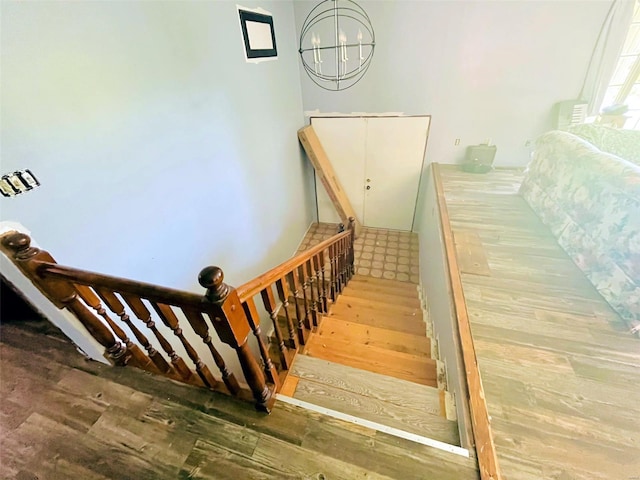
[
  {"x": 318, "y": 113},
  {"x": 429, "y": 442}
]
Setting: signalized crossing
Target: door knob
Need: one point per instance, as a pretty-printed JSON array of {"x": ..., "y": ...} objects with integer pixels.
[{"x": 368, "y": 187}]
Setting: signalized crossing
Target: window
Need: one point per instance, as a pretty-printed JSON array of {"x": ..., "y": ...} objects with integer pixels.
[{"x": 624, "y": 87}]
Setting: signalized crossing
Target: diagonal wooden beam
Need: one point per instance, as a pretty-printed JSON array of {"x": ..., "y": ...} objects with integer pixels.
[{"x": 327, "y": 175}]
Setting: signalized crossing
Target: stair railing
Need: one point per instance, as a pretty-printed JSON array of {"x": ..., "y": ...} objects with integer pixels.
[
  {"x": 310, "y": 280},
  {"x": 97, "y": 300}
]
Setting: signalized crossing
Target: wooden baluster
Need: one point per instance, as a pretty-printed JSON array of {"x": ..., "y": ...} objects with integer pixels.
[
  {"x": 233, "y": 328},
  {"x": 143, "y": 313},
  {"x": 344, "y": 261},
  {"x": 352, "y": 253},
  {"x": 117, "y": 307},
  {"x": 323, "y": 266},
  {"x": 138, "y": 358},
  {"x": 310, "y": 279},
  {"x": 269, "y": 303},
  {"x": 304, "y": 284},
  {"x": 254, "y": 322},
  {"x": 338, "y": 261},
  {"x": 63, "y": 294},
  {"x": 199, "y": 325},
  {"x": 318, "y": 284},
  {"x": 293, "y": 285},
  {"x": 283, "y": 295},
  {"x": 340, "y": 265},
  {"x": 169, "y": 318},
  {"x": 332, "y": 270}
]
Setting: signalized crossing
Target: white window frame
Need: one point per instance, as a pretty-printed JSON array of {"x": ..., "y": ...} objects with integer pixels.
[{"x": 625, "y": 85}]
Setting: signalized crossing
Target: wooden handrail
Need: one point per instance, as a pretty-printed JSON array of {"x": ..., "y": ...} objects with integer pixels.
[
  {"x": 253, "y": 287},
  {"x": 482, "y": 434},
  {"x": 144, "y": 290},
  {"x": 231, "y": 312}
]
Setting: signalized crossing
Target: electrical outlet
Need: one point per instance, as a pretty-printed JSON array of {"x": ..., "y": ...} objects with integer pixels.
[{"x": 457, "y": 142}]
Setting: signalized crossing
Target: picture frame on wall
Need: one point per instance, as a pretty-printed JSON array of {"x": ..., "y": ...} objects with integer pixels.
[{"x": 258, "y": 35}]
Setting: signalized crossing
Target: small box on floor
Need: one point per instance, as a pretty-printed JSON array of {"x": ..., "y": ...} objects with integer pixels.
[{"x": 479, "y": 158}]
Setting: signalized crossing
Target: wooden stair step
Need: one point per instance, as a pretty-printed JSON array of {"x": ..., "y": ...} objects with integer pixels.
[
  {"x": 383, "y": 282},
  {"x": 357, "y": 333},
  {"x": 392, "y": 415},
  {"x": 375, "y": 359},
  {"x": 380, "y": 305},
  {"x": 370, "y": 315},
  {"x": 390, "y": 298},
  {"x": 408, "y": 290},
  {"x": 369, "y": 384}
]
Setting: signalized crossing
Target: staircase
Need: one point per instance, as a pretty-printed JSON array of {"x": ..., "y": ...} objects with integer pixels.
[
  {"x": 370, "y": 359},
  {"x": 377, "y": 325},
  {"x": 366, "y": 353}
]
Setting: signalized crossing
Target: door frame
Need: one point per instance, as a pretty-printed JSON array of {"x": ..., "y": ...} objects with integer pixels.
[{"x": 379, "y": 115}]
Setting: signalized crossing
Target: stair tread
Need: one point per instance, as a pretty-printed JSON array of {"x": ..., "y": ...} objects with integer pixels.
[
  {"x": 369, "y": 315},
  {"x": 384, "y": 282},
  {"x": 381, "y": 296},
  {"x": 409, "y": 290},
  {"x": 358, "y": 333},
  {"x": 392, "y": 415},
  {"x": 381, "y": 305},
  {"x": 370, "y": 384},
  {"x": 374, "y": 359}
]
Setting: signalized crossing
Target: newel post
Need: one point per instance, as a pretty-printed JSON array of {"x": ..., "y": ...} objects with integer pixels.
[
  {"x": 63, "y": 294},
  {"x": 233, "y": 328}
]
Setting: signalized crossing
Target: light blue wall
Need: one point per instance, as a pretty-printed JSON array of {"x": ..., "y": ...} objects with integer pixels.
[
  {"x": 160, "y": 150},
  {"x": 482, "y": 68}
]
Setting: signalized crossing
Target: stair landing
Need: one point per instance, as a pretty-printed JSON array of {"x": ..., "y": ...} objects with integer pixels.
[{"x": 379, "y": 252}]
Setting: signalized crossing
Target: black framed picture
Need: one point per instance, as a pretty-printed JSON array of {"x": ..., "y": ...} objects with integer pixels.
[{"x": 258, "y": 33}]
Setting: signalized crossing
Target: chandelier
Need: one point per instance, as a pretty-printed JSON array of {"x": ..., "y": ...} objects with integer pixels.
[{"x": 336, "y": 44}]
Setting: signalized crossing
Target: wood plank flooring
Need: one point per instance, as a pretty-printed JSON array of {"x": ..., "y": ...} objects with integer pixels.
[
  {"x": 64, "y": 417},
  {"x": 560, "y": 372}
]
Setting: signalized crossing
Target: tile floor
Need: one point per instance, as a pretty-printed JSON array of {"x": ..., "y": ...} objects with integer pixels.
[{"x": 380, "y": 253}]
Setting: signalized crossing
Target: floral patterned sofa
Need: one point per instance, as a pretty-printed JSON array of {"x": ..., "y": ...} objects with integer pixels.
[{"x": 589, "y": 197}]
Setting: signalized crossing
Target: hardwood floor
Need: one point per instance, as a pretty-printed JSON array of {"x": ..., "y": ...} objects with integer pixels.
[
  {"x": 560, "y": 372},
  {"x": 64, "y": 417}
]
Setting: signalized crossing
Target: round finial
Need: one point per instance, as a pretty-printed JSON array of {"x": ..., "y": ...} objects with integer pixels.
[
  {"x": 20, "y": 244},
  {"x": 17, "y": 241},
  {"x": 212, "y": 278}
]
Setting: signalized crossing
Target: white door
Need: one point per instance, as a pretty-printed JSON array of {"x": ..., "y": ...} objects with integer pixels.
[
  {"x": 394, "y": 157},
  {"x": 378, "y": 161},
  {"x": 343, "y": 140}
]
